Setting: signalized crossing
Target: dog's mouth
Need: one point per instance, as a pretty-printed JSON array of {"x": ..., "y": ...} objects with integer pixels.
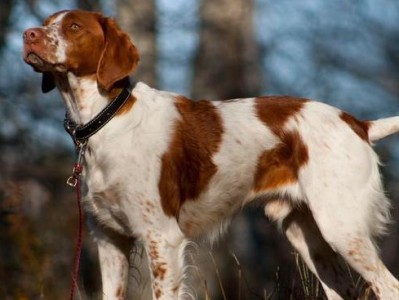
[
  {"x": 40, "y": 64},
  {"x": 35, "y": 60}
]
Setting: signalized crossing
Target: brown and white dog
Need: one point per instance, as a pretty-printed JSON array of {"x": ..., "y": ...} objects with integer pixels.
[{"x": 167, "y": 169}]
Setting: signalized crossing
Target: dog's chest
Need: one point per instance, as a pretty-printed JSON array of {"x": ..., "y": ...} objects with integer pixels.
[
  {"x": 116, "y": 187},
  {"x": 120, "y": 182}
]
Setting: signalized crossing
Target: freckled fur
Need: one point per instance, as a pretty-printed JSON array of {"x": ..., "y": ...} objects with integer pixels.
[{"x": 166, "y": 169}]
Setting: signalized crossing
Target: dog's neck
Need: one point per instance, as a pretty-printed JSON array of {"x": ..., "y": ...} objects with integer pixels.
[{"x": 82, "y": 96}]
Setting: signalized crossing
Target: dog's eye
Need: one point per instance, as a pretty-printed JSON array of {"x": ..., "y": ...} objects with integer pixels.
[{"x": 75, "y": 27}]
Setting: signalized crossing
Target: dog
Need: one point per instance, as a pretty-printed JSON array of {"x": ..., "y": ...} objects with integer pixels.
[{"x": 164, "y": 169}]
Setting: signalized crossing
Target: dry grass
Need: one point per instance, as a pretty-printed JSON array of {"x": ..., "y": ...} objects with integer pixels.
[
  {"x": 203, "y": 284},
  {"x": 305, "y": 286}
]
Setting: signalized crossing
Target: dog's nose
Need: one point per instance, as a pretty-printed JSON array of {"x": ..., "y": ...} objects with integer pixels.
[{"x": 31, "y": 35}]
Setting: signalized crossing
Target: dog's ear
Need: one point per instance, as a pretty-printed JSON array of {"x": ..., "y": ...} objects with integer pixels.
[
  {"x": 119, "y": 58},
  {"x": 48, "y": 82}
]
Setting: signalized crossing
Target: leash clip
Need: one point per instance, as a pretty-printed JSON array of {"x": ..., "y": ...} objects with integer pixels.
[{"x": 77, "y": 167}]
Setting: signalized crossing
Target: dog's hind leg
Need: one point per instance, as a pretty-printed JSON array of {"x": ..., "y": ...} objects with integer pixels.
[
  {"x": 348, "y": 217},
  {"x": 301, "y": 230},
  {"x": 360, "y": 253}
]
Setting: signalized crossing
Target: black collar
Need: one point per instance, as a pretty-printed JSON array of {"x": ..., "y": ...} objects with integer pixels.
[{"x": 81, "y": 133}]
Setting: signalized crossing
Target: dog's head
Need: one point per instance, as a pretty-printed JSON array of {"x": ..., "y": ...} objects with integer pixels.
[{"x": 81, "y": 42}]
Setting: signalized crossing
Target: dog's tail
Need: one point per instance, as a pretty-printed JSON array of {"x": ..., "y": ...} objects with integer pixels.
[{"x": 381, "y": 128}]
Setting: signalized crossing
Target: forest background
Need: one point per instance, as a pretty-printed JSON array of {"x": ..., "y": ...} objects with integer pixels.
[{"x": 345, "y": 53}]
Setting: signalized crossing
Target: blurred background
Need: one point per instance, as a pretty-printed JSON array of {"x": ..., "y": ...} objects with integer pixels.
[{"x": 341, "y": 52}]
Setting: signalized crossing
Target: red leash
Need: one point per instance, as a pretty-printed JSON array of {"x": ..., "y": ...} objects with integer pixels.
[{"x": 74, "y": 181}]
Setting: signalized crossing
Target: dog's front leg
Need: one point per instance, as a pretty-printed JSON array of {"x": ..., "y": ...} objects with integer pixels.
[
  {"x": 165, "y": 252},
  {"x": 113, "y": 254}
]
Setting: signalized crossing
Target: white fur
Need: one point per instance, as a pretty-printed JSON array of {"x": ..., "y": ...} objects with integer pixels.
[
  {"x": 340, "y": 184},
  {"x": 54, "y": 34},
  {"x": 336, "y": 205},
  {"x": 381, "y": 128}
]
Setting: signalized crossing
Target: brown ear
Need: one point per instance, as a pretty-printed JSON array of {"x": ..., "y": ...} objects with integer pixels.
[
  {"x": 48, "y": 83},
  {"x": 119, "y": 58}
]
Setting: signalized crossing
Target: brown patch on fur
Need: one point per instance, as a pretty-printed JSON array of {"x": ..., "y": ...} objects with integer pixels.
[
  {"x": 358, "y": 256},
  {"x": 275, "y": 111},
  {"x": 359, "y": 127},
  {"x": 280, "y": 166},
  {"x": 158, "y": 293},
  {"x": 175, "y": 289},
  {"x": 120, "y": 293},
  {"x": 153, "y": 250},
  {"x": 159, "y": 270},
  {"x": 187, "y": 166},
  {"x": 119, "y": 58},
  {"x": 352, "y": 252}
]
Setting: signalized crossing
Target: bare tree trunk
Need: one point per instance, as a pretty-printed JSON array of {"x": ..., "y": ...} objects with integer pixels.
[
  {"x": 138, "y": 18},
  {"x": 89, "y": 5},
  {"x": 227, "y": 63},
  {"x": 5, "y": 12},
  {"x": 227, "y": 66}
]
